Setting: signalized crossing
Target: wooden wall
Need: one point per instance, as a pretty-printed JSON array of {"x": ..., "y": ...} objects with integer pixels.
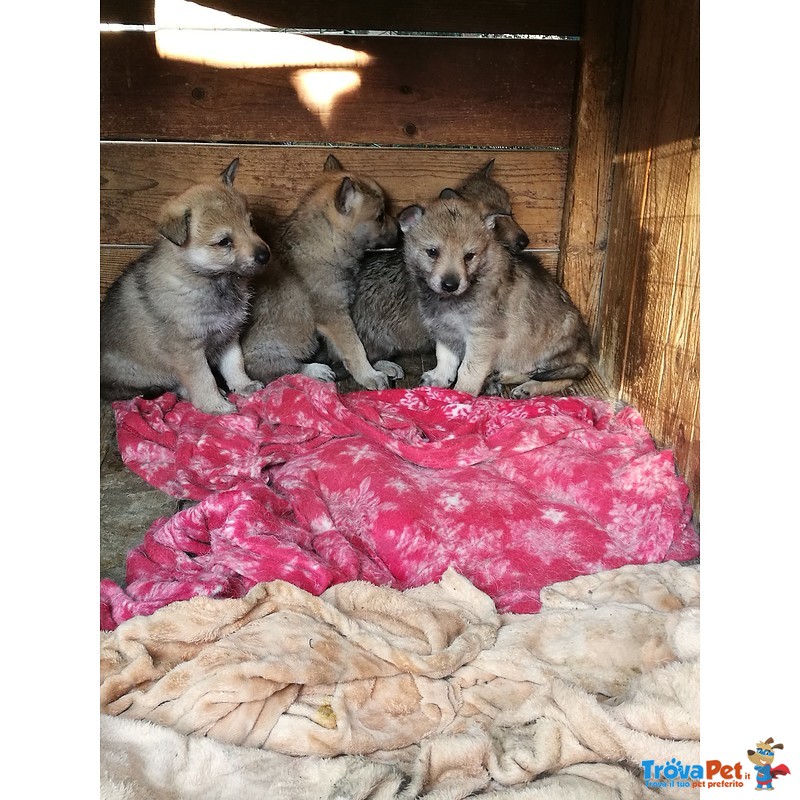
[
  {"x": 595, "y": 133},
  {"x": 429, "y": 110},
  {"x": 649, "y": 303}
]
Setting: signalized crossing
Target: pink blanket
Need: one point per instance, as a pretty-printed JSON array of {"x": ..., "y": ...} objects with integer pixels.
[{"x": 393, "y": 487}]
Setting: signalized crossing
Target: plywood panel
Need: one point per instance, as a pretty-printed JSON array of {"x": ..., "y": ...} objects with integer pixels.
[
  {"x": 649, "y": 339},
  {"x": 137, "y": 178},
  {"x": 555, "y": 17},
  {"x": 414, "y": 92}
]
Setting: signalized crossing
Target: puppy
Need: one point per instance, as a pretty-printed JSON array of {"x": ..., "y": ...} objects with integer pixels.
[
  {"x": 310, "y": 288},
  {"x": 496, "y": 319},
  {"x": 385, "y": 309},
  {"x": 178, "y": 310}
]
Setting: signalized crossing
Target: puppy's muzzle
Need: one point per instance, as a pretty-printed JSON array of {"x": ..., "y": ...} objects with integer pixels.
[
  {"x": 262, "y": 255},
  {"x": 255, "y": 264},
  {"x": 450, "y": 285}
]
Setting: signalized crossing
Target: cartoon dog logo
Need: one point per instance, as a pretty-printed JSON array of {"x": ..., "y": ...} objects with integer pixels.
[{"x": 762, "y": 757}]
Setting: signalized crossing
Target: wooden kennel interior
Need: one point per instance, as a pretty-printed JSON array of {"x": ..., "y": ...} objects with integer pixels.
[{"x": 590, "y": 109}]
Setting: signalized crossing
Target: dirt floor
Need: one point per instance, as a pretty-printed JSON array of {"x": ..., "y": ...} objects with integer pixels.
[{"x": 129, "y": 505}]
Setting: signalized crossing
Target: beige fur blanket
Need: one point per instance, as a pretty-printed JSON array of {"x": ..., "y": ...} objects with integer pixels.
[{"x": 367, "y": 692}]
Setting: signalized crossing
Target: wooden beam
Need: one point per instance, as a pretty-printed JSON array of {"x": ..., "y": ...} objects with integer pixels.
[{"x": 587, "y": 204}]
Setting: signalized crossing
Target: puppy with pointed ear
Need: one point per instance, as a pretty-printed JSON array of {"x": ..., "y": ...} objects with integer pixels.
[
  {"x": 178, "y": 310},
  {"x": 492, "y": 198},
  {"x": 174, "y": 217},
  {"x": 341, "y": 216}
]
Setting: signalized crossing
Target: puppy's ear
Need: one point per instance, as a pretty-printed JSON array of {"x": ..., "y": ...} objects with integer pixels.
[
  {"x": 332, "y": 164},
  {"x": 486, "y": 169},
  {"x": 491, "y": 221},
  {"x": 409, "y": 217},
  {"x": 345, "y": 196},
  {"x": 229, "y": 173},
  {"x": 174, "y": 223},
  {"x": 449, "y": 194}
]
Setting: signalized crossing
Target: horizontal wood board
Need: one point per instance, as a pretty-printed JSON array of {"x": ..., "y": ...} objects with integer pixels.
[
  {"x": 414, "y": 92},
  {"x": 137, "y": 178},
  {"x": 548, "y": 17}
]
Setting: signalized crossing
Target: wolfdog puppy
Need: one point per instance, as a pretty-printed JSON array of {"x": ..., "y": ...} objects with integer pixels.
[
  {"x": 385, "y": 309},
  {"x": 177, "y": 311},
  {"x": 309, "y": 290},
  {"x": 494, "y": 318}
]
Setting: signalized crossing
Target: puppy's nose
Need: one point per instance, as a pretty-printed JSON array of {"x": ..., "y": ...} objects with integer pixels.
[
  {"x": 450, "y": 283},
  {"x": 522, "y": 241},
  {"x": 261, "y": 255}
]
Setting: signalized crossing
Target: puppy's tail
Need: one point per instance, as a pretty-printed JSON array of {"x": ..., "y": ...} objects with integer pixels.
[{"x": 576, "y": 372}]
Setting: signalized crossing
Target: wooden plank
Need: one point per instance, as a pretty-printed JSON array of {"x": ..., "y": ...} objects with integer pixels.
[
  {"x": 587, "y": 204},
  {"x": 649, "y": 340},
  {"x": 454, "y": 92},
  {"x": 552, "y": 17},
  {"x": 113, "y": 259},
  {"x": 137, "y": 178},
  {"x": 662, "y": 367}
]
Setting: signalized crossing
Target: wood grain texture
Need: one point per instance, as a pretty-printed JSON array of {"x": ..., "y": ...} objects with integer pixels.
[
  {"x": 649, "y": 338},
  {"x": 587, "y": 203},
  {"x": 414, "y": 92},
  {"x": 137, "y": 178},
  {"x": 553, "y": 17}
]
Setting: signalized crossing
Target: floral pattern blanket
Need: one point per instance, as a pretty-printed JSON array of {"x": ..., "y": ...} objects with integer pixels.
[{"x": 318, "y": 488}]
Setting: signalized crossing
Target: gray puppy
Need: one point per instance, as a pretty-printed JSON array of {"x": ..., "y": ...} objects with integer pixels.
[
  {"x": 495, "y": 319},
  {"x": 309, "y": 290},
  {"x": 177, "y": 311},
  {"x": 385, "y": 310}
]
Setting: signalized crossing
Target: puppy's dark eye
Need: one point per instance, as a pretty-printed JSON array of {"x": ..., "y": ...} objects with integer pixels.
[
  {"x": 225, "y": 241},
  {"x": 432, "y": 252},
  {"x": 380, "y": 218},
  {"x": 468, "y": 257}
]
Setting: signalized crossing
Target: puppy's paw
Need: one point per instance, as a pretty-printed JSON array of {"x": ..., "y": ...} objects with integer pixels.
[
  {"x": 322, "y": 372},
  {"x": 433, "y": 378},
  {"x": 390, "y": 369},
  {"x": 220, "y": 406},
  {"x": 249, "y": 388},
  {"x": 526, "y": 390},
  {"x": 376, "y": 380}
]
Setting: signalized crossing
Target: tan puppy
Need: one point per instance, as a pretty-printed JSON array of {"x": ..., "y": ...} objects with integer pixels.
[
  {"x": 495, "y": 317},
  {"x": 385, "y": 309},
  {"x": 177, "y": 311},
  {"x": 310, "y": 288}
]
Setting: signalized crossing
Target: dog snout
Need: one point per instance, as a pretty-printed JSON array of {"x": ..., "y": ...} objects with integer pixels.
[
  {"x": 450, "y": 283},
  {"x": 511, "y": 234},
  {"x": 261, "y": 254}
]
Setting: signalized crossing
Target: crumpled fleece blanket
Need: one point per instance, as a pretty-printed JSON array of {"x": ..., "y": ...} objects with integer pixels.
[
  {"x": 393, "y": 487},
  {"x": 376, "y": 693}
]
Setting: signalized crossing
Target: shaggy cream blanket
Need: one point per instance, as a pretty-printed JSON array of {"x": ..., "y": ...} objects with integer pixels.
[{"x": 369, "y": 692}]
